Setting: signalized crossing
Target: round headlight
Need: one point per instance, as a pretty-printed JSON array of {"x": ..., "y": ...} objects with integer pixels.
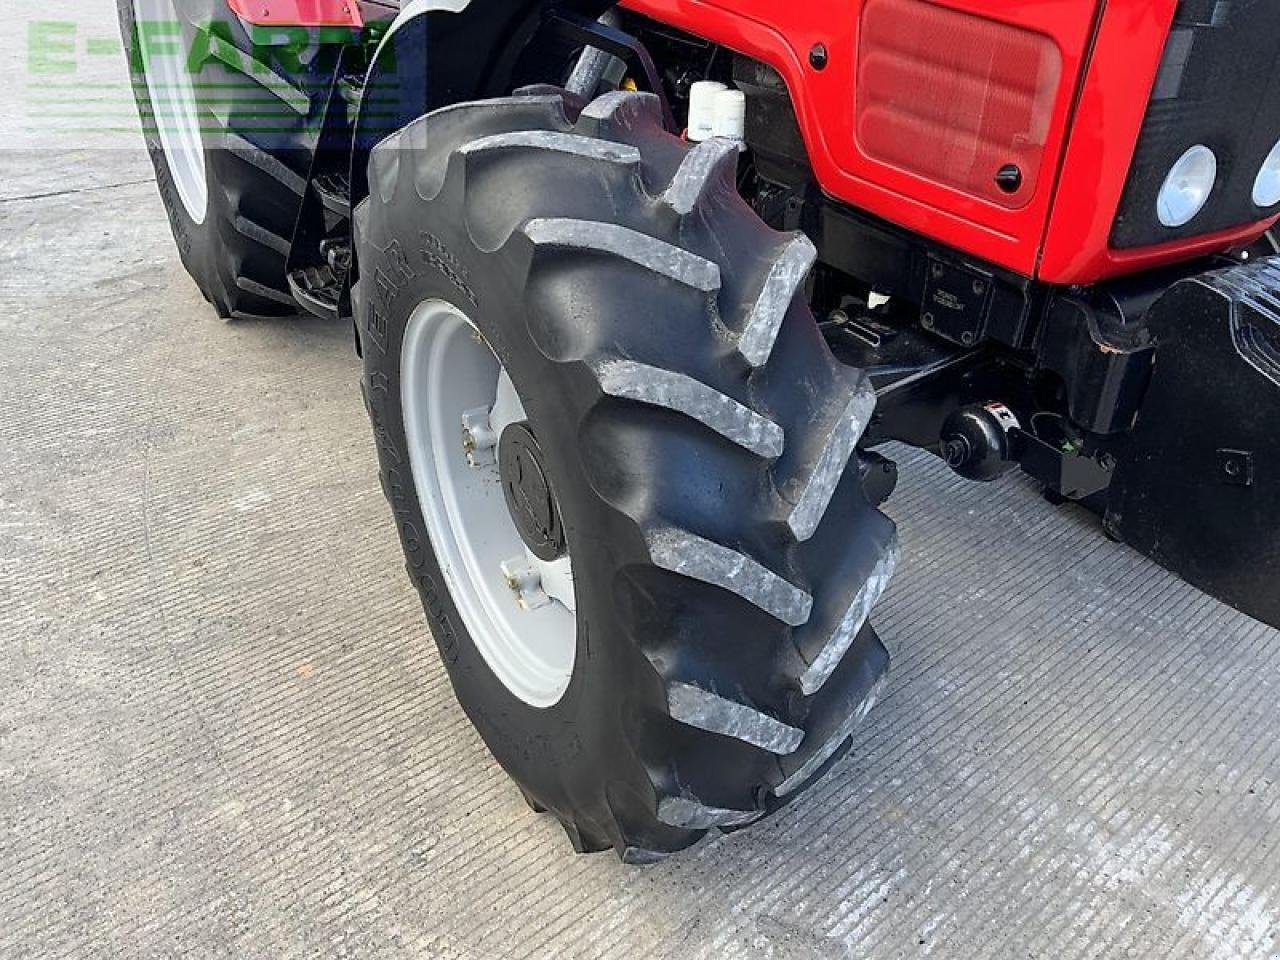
[
  {"x": 1266, "y": 189},
  {"x": 1187, "y": 187}
]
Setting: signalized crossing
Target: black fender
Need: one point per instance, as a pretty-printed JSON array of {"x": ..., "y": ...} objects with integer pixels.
[
  {"x": 441, "y": 52},
  {"x": 1197, "y": 487}
]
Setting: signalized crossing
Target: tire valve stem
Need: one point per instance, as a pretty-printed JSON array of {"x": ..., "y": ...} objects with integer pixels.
[{"x": 478, "y": 439}]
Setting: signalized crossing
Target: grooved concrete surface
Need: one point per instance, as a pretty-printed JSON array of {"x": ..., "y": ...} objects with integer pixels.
[{"x": 224, "y": 731}]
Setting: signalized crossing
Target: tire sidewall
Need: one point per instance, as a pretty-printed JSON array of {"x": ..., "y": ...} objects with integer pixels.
[{"x": 567, "y": 754}]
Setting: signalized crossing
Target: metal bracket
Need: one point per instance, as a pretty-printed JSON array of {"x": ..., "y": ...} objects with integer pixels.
[
  {"x": 1072, "y": 476},
  {"x": 592, "y": 33}
]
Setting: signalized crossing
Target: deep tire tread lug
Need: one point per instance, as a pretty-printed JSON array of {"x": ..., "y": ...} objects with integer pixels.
[
  {"x": 653, "y": 386},
  {"x": 706, "y": 710},
  {"x": 778, "y": 290},
  {"x": 657, "y": 256},
  {"x": 711, "y": 164},
  {"x": 697, "y": 558},
  {"x": 824, "y": 474}
]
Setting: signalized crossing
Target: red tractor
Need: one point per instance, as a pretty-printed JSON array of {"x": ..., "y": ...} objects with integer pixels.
[{"x": 641, "y": 290}]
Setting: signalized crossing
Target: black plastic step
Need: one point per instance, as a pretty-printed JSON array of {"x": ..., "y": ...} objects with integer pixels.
[
  {"x": 334, "y": 191},
  {"x": 351, "y": 89},
  {"x": 318, "y": 290}
]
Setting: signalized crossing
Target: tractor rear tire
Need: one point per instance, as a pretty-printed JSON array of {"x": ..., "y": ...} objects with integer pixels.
[
  {"x": 231, "y": 164},
  {"x": 699, "y": 438}
]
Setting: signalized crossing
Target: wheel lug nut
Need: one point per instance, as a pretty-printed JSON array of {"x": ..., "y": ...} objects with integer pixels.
[
  {"x": 525, "y": 582},
  {"x": 478, "y": 438}
]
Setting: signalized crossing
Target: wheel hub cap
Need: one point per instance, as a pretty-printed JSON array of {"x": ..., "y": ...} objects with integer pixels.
[{"x": 528, "y": 494}]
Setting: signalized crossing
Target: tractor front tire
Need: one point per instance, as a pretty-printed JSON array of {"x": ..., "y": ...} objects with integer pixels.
[{"x": 698, "y": 449}]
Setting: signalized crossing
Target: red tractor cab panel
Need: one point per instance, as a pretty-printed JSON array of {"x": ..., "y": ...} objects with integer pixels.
[{"x": 1003, "y": 130}]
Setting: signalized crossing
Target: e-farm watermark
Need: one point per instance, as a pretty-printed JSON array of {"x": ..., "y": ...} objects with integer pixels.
[{"x": 84, "y": 83}]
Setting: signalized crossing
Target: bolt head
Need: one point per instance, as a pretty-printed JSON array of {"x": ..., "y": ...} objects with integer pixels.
[{"x": 478, "y": 440}]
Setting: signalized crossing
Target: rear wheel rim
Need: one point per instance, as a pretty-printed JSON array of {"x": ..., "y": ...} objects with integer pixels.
[
  {"x": 457, "y": 400},
  {"x": 174, "y": 110}
]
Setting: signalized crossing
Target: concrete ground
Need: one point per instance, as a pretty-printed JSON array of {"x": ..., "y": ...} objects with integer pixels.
[{"x": 224, "y": 731}]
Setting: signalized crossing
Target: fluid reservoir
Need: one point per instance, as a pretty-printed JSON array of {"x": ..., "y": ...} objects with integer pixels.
[
  {"x": 702, "y": 109},
  {"x": 730, "y": 115}
]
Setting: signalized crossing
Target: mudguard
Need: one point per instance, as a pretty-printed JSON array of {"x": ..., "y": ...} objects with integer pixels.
[
  {"x": 1198, "y": 488},
  {"x": 441, "y": 52}
]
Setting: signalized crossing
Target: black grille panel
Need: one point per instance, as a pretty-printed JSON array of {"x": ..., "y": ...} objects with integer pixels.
[{"x": 1219, "y": 85}]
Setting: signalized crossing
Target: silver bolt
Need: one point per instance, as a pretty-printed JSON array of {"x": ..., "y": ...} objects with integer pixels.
[
  {"x": 525, "y": 582},
  {"x": 478, "y": 438}
]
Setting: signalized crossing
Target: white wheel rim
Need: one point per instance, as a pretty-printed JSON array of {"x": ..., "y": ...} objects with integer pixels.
[
  {"x": 450, "y": 377},
  {"x": 173, "y": 109}
]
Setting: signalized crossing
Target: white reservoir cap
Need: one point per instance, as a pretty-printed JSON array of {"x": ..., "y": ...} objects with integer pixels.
[
  {"x": 702, "y": 109},
  {"x": 731, "y": 115}
]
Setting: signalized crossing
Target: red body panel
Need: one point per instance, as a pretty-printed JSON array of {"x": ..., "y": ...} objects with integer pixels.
[
  {"x": 302, "y": 13},
  {"x": 1108, "y": 59},
  {"x": 1113, "y": 103}
]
